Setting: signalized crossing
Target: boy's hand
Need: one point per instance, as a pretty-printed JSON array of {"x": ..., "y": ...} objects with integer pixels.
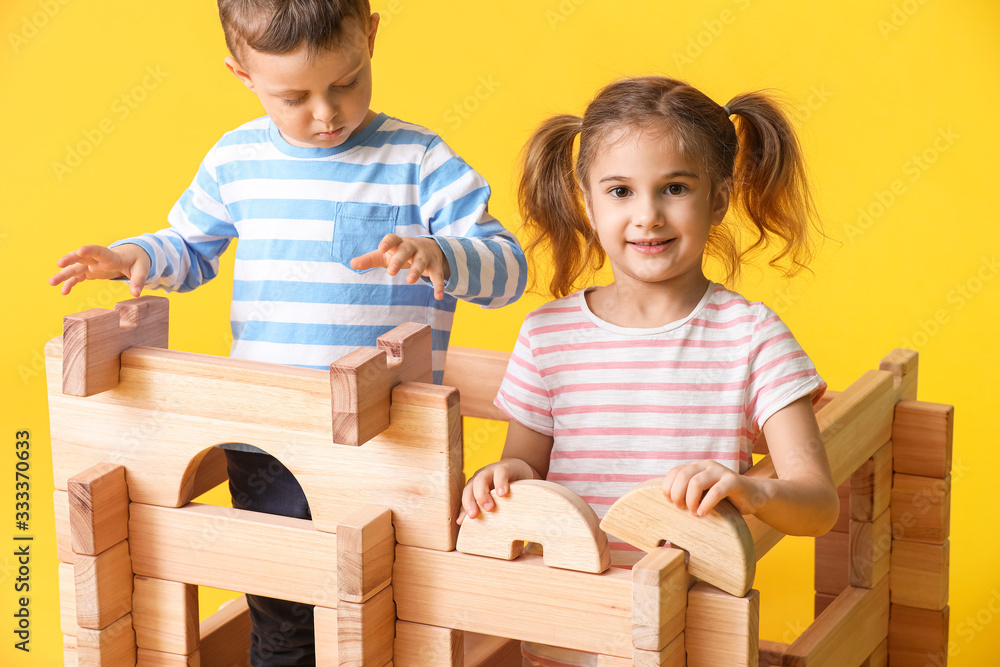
[
  {"x": 95, "y": 262},
  {"x": 699, "y": 487},
  {"x": 423, "y": 256},
  {"x": 497, "y": 476}
]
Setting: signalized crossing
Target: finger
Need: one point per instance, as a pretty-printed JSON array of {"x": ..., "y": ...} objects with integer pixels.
[
  {"x": 138, "y": 273},
  {"x": 678, "y": 489},
  {"x": 461, "y": 517},
  {"x": 67, "y": 273},
  {"x": 417, "y": 267},
  {"x": 401, "y": 257},
  {"x": 501, "y": 481},
  {"x": 68, "y": 285},
  {"x": 368, "y": 260},
  {"x": 469, "y": 505},
  {"x": 481, "y": 490},
  {"x": 711, "y": 498},
  {"x": 695, "y": 490},
  {"x": 389, "y": 241}
]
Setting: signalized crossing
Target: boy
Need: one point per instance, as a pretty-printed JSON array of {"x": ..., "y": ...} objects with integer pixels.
[{"x": 319, "y": 192}]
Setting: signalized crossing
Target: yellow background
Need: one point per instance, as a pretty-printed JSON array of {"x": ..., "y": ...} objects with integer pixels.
[{"x": 896, "y": 103}]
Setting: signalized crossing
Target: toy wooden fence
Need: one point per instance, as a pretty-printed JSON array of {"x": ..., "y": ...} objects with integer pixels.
[{"x": 378, "y": 453}]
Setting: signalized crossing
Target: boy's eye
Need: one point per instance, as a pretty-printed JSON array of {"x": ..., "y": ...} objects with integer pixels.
[
  {"x": 619, "y": 192},
  {"x": 294, "y": 102},
  {"x": 676, "y": 189},
  {"x": 348, "y": 86}
]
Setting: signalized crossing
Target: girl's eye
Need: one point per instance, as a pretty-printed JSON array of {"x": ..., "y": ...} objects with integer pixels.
[
  {"x": 294, "y": 102},
  {"x": 676, "y": 189},
  {"x": 619, "y": 192}
]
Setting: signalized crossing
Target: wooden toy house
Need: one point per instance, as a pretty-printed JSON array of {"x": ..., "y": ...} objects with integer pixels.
[{"x": 377, "y": 450}]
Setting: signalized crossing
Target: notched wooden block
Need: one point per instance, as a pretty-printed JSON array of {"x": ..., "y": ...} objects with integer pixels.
[
  {"x": 659, "y": 598},
  {"x": 919, "y": 574},
  {"x": 921, "y": 508},
  {"x": 918, "y": 637},
  {"x": 871, "y": 486},
  {"x": 922, "y": 436},
  {"x": 98, "y": 508},
  {"x": 165, "y": 615},
  {"x": 94, "y": 340},
  {"x": 114, "y": 645},
  {"x": 903, "y": 364},
  {"x": 870, "y": 549},
  {"x": 365, "y": 631},
  {"x": 366, "y": 547},
  {"x": 721, "y": 629},
  {"x": 103, "y": 587}
]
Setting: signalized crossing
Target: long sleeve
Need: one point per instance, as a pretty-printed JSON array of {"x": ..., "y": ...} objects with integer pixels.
[
  {"x": 186, "y": 255},
  {"x": 487, "y": 264}
]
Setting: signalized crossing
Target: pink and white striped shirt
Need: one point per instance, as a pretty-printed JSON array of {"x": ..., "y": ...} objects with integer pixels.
[{"x": 624, "y": 405}]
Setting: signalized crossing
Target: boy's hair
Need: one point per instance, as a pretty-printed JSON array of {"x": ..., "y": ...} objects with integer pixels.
[
  {"x": 757, "y": 156},
  {"x": 279, "y": 26}
]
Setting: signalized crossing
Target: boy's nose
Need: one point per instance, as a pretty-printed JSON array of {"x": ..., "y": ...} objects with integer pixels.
[{"x": 324, "y": 111}]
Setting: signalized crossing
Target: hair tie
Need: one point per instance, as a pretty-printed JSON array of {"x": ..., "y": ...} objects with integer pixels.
[{"x": 726, "y": 109}]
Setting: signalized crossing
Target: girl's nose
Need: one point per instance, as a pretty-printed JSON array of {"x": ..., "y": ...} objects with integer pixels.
[{"x": 647, "y": 213}]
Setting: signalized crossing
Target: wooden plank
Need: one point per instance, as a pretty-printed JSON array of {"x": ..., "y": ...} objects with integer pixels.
[
  {"x": 64, "y": 534},
  {"x": 671, "y": 655},
  {"x": 477, "y": 375},
  {"x": 720, "y": 548},
  {"x": 114, "y": 645},
  {"x": 843, "y": 524},
  {"x": 236, "y": 550},
  {"x": 148, "y": 658},
  {"x": 921, "y": 508},
  {"x": 417, "y": 645},
  {"x": 918, "y": 637},
  {"x": 70, "y": 657},
  {"x": 365, "y": 631},
  {"x": 659, "y": 597},
  {"x": 721, "y": 629},
  {"x": 172, "y": 408},
  {"x": 489, "y": 651},
  {"x": 832, "y": 571},
  {"x": 919, "y": 574},
  {"x": 870, "y": 550},
  {"x": 67, "y": 601},
  {"x": 545, "y": 513},
  {"x": 325, "y": 627},
  {"x": 903, "y": 364},
  {"x": 211, "y": 472},
  {"x": 820, "y": 602},
  {"x": 769, "y": 653},
  {"x": 581, "y": 611},
  {"x": 922, "y": 435},
  {"x": 98, "y": 508},
  {"x": 847, "y": 632},
  {"x": 871, "y": 486},
  {"x": 103, "y": 586},
  {"x": 225, "y": 635},
  {"x": 880, "y": 656},
  {"x": 366, "y": 547},
  {"x": 165, "y": 615}
]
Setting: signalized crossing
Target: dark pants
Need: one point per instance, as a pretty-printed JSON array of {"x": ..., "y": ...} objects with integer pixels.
[{"x": 282, "y": 631}]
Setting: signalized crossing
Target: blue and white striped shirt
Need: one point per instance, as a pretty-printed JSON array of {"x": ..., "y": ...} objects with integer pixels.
[{"x": 301, "y": 214}]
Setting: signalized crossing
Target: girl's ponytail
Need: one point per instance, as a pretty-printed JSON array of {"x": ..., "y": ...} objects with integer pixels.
[
  {"x": 551, "y": 206},
  {"x": 769, "y": 180}
]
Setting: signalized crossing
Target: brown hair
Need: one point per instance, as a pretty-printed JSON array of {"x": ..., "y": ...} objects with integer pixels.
[
  {"x": 279, "y": 26},
  {"x": 757, "y": 156}
]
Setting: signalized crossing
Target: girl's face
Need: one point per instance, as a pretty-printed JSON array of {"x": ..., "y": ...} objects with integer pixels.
[{"x": 652, "y": 209}]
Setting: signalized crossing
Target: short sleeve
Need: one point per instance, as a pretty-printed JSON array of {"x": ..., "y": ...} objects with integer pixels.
[
  {"x": 779, "y": 370},
  {"x": 523, "y": 395}
]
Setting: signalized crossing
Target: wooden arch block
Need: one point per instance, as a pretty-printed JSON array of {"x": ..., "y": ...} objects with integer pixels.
[
  {"x": 93, "y": 341},
  {"x": 719, "y": 544},
  {"x": 361, "y": 382},
  {"x": 543, "y": 512}
]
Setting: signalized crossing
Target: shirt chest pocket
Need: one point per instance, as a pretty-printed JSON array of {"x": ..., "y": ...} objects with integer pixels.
[{"x": 358, "y": 228}]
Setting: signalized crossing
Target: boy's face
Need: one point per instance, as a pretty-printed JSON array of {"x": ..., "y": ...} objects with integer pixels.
[{"x": 315, "y": 101}]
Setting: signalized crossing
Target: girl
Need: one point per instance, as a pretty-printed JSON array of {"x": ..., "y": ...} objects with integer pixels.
[{"x": 663, "y": 372}]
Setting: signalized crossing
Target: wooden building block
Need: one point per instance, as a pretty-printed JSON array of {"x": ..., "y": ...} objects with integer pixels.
[
  {"x": 488, "y": 651},
  {"x": 325, "y": 624},
  {"x": 211, "y": 472},
  {"x": 94, "y": 340},
  {"x": 114, "y": 645},
  {"x": 918, "y": 637},
  {"x": 98, "y": 508},
  {"x": 416, "y": 645},
  {"x": 903, "y": 364},
  {"x": 820, "y": 602},
  {"x": 147, "y": 658},
  {"x": 361, "y": 381},
  {"x": 545, "y": 513},
  {"x": 870, "y": 550},
  {"x": 477, "y": 375},
  {"x": 64, "y": 534},
  {"x": 847, "y": 632},
  {"x": 577, "y": 610},
  {"x": 871, "y": 486},
  {"x": 721, "y": 629},
  {"x": 921, "y": 508},
  {"x": 922, "y": 435},
  {"x": 843, "y": 524},
  {"x": 919, "y": 574},
  {"x": 880, "y": 656},
  {"x": 720, "y": 547},
  {"x": 365, "y": 630},
  {"x": 165, "y": 615},
  {"x": 769, "y": 653},
  {"x": 103, "y": 587},
  {"x": 366, "y": 547},
  {"x": 235, "y": 550},
  {"x": 225, "y": 635},
  {"x": 671, "y": 655},
  {"x": 832, "y": 571},
  {"x": 67, "y": 600},
  {"x": 70, "y": 658},
  {"x": 186, "y": 403},
  {"x": 659, "y": 598}
]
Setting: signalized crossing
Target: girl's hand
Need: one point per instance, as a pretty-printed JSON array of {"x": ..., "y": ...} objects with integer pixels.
[
  {"x": 422, "y": 255},
  {"x": 95, "y": 262},
  {"x": 699, "y": 487},
  {"x": 476, "y": 493}
]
